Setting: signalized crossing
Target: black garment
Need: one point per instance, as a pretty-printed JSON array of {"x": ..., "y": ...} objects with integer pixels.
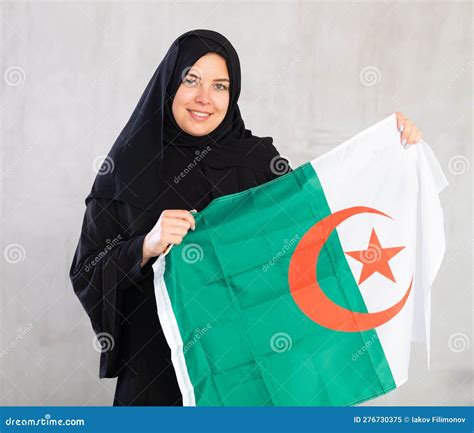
[
  {"x": 146, "y": 174},
  {"x": 133, "y": 169}
]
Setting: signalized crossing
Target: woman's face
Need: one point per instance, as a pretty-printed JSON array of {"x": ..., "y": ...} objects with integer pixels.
[{"x": 202, "y": 99}]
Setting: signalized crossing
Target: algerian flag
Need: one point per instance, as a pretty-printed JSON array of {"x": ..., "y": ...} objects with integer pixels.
[{"x": 309, "y": 289}]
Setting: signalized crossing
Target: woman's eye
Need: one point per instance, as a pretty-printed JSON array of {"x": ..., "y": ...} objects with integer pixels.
[
  {"x": 190, "y": 81},
  {"x": 221, "y": 86}
]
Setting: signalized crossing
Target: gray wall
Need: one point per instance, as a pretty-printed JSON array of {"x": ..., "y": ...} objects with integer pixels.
[{"x": 73, "y": 72}]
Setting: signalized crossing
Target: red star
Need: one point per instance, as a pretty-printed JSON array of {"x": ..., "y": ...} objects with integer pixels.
[{"x": 375, "y": 258}]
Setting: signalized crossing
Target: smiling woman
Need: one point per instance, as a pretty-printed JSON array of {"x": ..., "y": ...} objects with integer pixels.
[
  {"x": 201, "y": 102},
  {"x": 184, "y": 145}
]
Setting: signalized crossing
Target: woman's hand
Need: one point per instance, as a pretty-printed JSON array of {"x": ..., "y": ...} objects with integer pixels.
[
  {"x": 170, "y": 228},
  {"x": 410, "y": 133}
]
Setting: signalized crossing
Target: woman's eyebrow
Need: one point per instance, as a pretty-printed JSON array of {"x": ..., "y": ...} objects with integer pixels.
[{"x": 191, "y": 74}]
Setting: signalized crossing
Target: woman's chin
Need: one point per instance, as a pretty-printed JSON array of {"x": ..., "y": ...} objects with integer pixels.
[{"x": 198, "y": 132}]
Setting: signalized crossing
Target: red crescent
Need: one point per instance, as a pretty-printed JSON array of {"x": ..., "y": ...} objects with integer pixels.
[{"x": 308, "y": 295}]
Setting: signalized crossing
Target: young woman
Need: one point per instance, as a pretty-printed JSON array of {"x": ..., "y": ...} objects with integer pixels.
[{"x": 184, "y": 145}]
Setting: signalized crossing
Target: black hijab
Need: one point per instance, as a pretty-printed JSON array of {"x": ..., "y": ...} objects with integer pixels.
[{"x": 133, "y": 171}]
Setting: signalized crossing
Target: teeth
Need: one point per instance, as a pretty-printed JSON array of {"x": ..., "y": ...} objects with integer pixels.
[{"x": 199, "y": 114}]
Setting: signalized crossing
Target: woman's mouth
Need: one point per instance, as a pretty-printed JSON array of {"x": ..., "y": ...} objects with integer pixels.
[{"x": 199, "y": 115}]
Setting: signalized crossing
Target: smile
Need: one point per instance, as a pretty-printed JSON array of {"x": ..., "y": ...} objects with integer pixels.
[{"x": 199, "y": 115}]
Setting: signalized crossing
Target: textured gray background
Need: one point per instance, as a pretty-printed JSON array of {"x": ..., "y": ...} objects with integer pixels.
[{"x": 74, "y": 71}]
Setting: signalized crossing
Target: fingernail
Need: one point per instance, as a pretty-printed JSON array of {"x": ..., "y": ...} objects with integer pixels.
[
  {"x": 401, "y": 127},
  {"x": 404, "y": 143}
]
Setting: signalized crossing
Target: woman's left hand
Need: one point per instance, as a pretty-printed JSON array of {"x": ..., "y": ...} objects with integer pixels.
[{"x": 410, "y": 133}]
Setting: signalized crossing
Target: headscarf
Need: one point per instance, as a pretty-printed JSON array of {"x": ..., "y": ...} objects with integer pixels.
[{"x": 132, "y": 172}]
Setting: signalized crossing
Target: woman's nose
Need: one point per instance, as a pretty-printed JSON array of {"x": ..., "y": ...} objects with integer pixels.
[{"x": 203, "y": 95}]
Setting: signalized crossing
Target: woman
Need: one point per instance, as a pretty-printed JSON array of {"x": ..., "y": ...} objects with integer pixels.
[{"x": 184, "y": 145}]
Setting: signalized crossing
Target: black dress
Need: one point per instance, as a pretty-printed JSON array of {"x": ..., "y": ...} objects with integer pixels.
[
  {"x": 154, "y": 165},
  {"x": 118, "y": 295}
]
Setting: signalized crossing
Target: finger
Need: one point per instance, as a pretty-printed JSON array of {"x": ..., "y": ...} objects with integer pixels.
[
  {"x": 406, "y": 131},
  {"x": 171, "y": 221},
  {"x": 176, "y": 213},
  {"x": 181, "y": 213},
  {"x": 189, "y": 217},
  {"x": 400, "y": 121},
  {"x": 176, "y": 230},
  {"x": 418, "y": 137},
  {"x": 174, "y": 239},
  {"x": 164, "y": 222},
  {"x": 413, "y": 133}
]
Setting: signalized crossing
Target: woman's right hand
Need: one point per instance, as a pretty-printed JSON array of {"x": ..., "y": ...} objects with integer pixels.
[{"x": 170, "y": 228}]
